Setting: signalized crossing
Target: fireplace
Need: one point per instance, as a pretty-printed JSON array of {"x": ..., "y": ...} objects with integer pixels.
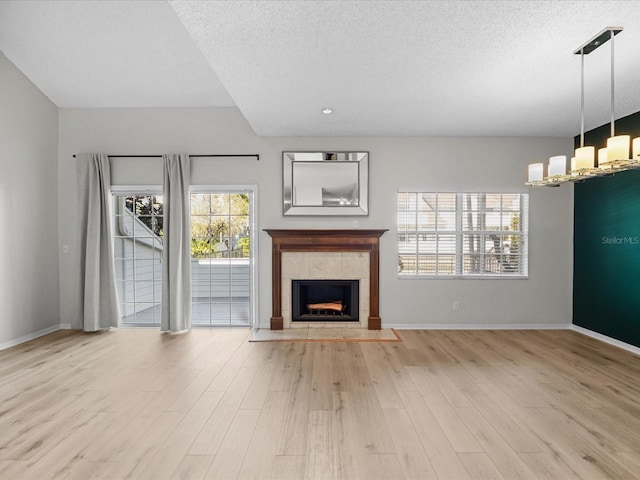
[
  {"x": 325, "y": 300},
  {"x": 320, "y": 255}
]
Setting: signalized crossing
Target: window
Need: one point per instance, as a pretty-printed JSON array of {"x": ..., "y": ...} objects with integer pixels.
[
  {"x": 462, "y": 234},
  {"x": 221, "y": 257},
  {"x": 138, "y": 231}
]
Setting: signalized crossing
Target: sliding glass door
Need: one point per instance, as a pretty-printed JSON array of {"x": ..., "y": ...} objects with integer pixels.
[
  {"x": 222, "y": 243},
  {"x": 138, "y": 233},
  {"x": 221, "y": 257}
]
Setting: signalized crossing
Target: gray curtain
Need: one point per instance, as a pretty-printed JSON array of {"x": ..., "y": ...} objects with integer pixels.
[
  {"x": 97, "y": 271},
  {"x": 176, "y": 267}
]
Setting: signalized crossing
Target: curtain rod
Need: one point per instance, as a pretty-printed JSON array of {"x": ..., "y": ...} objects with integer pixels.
[{"x": 257, "y": 155}]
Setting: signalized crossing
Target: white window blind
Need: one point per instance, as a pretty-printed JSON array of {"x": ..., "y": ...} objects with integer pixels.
[{"x": 462, "y": 234}]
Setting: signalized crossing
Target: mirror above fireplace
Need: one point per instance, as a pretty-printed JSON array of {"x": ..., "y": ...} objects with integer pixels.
[{"x": 325, "y": 183}]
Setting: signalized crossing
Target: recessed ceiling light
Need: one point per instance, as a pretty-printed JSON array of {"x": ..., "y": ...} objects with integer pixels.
[{"x": 327, "y": 110}]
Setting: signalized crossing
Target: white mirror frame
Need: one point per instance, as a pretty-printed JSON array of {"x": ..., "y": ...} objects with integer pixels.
[{"x": 290, "y": 159}]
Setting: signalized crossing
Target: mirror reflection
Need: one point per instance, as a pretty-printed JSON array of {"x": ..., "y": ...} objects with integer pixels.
[{"x": 332, "y": 184}]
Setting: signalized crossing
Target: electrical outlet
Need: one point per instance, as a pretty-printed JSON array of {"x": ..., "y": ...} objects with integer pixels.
[
  {"x": 65, "y": 249},
  {"x": 355, "y": 224},
  {"x": 456, "y": 305}
]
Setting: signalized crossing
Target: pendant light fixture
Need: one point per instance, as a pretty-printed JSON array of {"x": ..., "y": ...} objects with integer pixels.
[{"x": 614, "y": 157}]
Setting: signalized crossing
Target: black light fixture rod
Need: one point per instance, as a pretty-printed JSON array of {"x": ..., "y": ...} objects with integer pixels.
[
  {"x": 613, "y": 128},
  {"x": 581, "y": 98},
  {"x": 256, "y": 155}
]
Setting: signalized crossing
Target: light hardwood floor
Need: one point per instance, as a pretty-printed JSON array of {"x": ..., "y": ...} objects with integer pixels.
[{"x": 208, "y": 404}]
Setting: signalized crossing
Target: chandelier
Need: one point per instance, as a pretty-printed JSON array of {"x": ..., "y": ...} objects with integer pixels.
[{"x": 617, "y": 156}]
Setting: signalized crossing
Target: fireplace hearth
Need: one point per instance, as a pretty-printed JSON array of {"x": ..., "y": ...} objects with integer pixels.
[{"x": 325, "y": 300}]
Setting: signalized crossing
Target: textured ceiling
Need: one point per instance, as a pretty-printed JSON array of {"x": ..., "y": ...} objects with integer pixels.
[
  {"x": 108, "y": 54},
  {"x": 494, "y": 68}
]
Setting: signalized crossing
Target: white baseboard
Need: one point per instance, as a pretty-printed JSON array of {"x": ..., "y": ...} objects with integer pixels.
[
  {"x": 483, "y": 326},
  {"x": 65, "y": 326},
  {"x": 605, "y": 339},
  {"x": 468, "y": 326},
  {"x": 30, "y": 336}
]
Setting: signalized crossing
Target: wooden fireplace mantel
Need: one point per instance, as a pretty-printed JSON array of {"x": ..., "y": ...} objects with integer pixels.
[{"x": 301, "y": 240}]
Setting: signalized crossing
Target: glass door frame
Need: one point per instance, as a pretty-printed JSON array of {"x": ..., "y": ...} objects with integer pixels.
[
  {"x": 134, "y": 191},
  {"x": 252, "y": 190}
]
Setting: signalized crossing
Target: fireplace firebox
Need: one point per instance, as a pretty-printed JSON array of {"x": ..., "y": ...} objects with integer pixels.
[{"x": 325, "y": 300}]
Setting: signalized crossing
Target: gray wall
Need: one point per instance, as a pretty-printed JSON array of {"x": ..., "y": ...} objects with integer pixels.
[
  {"x": 29, "y": 293},
  {"x": 439, "y": 164}
]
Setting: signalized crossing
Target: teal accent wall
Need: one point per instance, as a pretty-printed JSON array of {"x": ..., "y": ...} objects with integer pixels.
[{"x": 606, "y": 275}]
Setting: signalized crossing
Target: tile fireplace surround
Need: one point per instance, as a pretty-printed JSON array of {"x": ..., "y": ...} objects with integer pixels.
[{"x": 326, "y": 254}]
